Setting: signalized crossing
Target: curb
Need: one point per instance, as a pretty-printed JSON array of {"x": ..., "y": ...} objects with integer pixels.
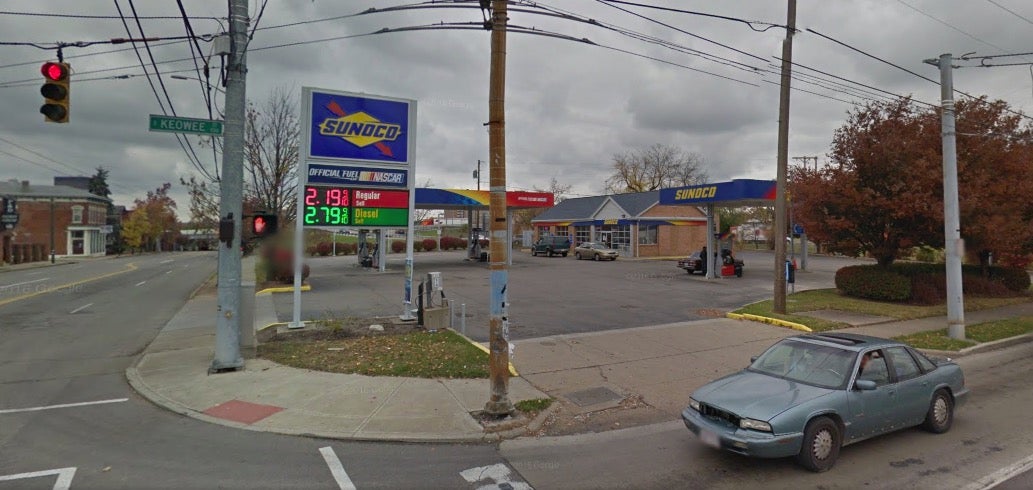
[
  {"x": 285, "y": 289},
  {"x": 532, "y": 426},
  {"x": 771, "y": 321}
]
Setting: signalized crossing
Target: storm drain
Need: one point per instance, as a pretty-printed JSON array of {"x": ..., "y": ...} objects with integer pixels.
[{"x": 593, "y": 396}]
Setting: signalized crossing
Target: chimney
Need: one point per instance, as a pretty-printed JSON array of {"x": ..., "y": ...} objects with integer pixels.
[{"x": 25, "y": 186}]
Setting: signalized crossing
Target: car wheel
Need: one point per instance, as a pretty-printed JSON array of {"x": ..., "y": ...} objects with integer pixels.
[
  {"x": 596, "y": 258},
  {"x": 941, "y": 413},
  {"x": 534, "y": 253},
  {"x": 564, "y": 254},
  {"x": 821, "y": 443},
  {"x": 548, "y": 252},
  {"x": 738, "y": 273},
  {"x": 577, "y": 255}
]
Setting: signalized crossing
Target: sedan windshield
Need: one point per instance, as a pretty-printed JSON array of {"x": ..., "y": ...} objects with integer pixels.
[{"x": 813, "y": 364}]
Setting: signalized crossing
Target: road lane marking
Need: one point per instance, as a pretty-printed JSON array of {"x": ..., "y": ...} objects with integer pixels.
[
  {"x": 129, "y": 267},
  {"x": 64, "y": 476},
  {"x": 34, "y": 273},
  {"x": 166, "y": 261},
  {"x": 141, "y": 283},
  {"x": 5, "y": 286},
  {"x": 64, "y": 405},
  {"x": 336, "y": 468},
  {"x": 81, "y": 308},
  {"x": 1002, "y": 475},
  {"x": 497, "y": 474}
]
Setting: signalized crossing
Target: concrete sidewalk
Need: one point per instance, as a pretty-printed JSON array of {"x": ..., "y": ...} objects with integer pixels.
[{"x": 659, "y": 365}]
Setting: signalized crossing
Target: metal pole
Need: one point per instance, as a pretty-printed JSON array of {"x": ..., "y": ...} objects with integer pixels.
[
  {"x": 711, "y": 243},
  {"x": 231, "y": 190},
  {"x": 951, "y": 221},
  {"x": 783, "y": 162},
  {"x": 498, "y": 358},
  {"x": 53, "y": 232}
]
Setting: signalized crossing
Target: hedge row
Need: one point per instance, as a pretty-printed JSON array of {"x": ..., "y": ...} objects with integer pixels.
[{"x": 927, "y": 283}]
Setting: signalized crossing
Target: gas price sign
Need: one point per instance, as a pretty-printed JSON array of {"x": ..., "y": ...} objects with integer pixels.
[{"x": 337, "y": 206}]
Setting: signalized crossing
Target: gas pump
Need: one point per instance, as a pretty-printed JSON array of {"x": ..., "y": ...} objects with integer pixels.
[
  {"x": 473, "y": 248},
  {"x": 362, "y": 252}
]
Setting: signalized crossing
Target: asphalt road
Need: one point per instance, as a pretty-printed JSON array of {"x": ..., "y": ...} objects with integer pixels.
[
  {"x": 549, "y": 295},
  {"x": 990, "y": 433},
  {"x": 68, "y": 418}
]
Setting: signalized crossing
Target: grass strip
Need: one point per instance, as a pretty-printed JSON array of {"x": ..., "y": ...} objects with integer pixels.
[
  {"x": 975, "y": 334},
  {"x": 443, "y": 354}
]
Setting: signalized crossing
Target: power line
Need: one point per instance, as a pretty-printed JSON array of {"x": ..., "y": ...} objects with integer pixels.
[
  {"x": 749, "y": 23},
  {"x": 845, "y": 45},
  {"x": 1010, "y": 11},
  {"x": 113, "y": 18},
  {"x": 36, "y": 153}
]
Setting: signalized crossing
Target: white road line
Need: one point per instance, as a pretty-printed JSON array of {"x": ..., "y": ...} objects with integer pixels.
[
  {"x": 1002, "y": 475},
  {"x": 64, "y": 477},
  {"x": 23, "y": 283},
  {"x": 34, "y": 273},
  {"x": 66, "y": 405},
  {"x": 337, "y": 468},
  {"x": 166, "y": 261},
  {"x": 141, "y": 283},
  {"x": 168, "y": 272},
  {"x": 81, "y": 308}
]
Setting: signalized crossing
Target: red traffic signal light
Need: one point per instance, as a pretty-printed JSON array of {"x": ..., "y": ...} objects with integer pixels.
[
  {"x": 55, "y": 91},
  {"x": 263, "y": 225}
]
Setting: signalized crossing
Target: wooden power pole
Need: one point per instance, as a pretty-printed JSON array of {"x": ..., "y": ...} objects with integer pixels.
[{"x": 498, "y": 357}]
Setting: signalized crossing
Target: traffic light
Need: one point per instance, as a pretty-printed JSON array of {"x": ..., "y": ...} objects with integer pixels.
[
  {"x": 263, "y": 225},
  {"x": 55, "y": 91}
]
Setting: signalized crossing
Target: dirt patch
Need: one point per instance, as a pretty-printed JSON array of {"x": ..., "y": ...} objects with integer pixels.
[{"x": 632, "y": 411}]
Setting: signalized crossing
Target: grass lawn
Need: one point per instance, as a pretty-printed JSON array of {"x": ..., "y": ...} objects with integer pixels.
[
  {"x": 443, "y": 354},
  {"x": 831, "y": 299},
  {"x": 978, "y": 333}
]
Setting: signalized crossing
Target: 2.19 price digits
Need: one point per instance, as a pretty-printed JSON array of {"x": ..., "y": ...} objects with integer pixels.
[{"x": 326, "y": 206}]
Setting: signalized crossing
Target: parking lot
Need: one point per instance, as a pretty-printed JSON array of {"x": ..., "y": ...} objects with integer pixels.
[{"x": 549, "y": 295}]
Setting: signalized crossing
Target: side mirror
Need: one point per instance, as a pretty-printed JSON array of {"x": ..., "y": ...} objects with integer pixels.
[{"x": 864, "y": 384}]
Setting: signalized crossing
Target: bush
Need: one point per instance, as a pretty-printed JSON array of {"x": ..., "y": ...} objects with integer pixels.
[
  {"x": 430, "y": 244},
  {"x": 1014, "y": 278},
  {"x": 449, "y": 243},
  {"x": 324, "y": 248},
  {"x": 873, "y": 282},
  {"x": 280, "y": 265},
  {"x": 398, "y": 246}
]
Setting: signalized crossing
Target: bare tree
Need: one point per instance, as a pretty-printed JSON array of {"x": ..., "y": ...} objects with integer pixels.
[
  {"x": 656, "y": 167},
  {"x": 271, "y": 134},
  {"x": 523, "y": 217}
]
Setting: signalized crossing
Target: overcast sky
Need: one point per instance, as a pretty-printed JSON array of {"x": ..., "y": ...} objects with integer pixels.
[{"x": 569, "y": 106}]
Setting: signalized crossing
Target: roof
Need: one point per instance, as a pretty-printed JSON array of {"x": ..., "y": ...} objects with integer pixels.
[
  {"x": 16, "y": 189},
  {"x": 851, "y": 341},
  {"x": 584, "y": 208}
]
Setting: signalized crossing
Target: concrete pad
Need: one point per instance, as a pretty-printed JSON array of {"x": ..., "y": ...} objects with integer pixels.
[
  {"x": 297, "y": 421},
  {"x": 472, "y": 394},
  {"x": 551, "y": 354},
  {"x": 558, "y": 382},
  {"x": 628, "y": 346}
]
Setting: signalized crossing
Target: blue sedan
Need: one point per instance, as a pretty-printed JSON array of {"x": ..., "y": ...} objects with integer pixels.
[{"x": 809, "y": 395}]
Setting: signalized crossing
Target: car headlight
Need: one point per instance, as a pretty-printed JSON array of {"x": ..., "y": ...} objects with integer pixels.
[
  {"x": 755, "y": 425},
  {"x": 693, "y": 404}
]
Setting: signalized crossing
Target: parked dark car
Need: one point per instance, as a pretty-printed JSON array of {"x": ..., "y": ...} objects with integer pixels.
[
  {"x": 550, "y": 245},
  {"x": 809, "y": 395}
]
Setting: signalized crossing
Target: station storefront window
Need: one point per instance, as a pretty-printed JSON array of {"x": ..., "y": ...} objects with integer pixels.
[
  {"x": 647, "y": 234},
  {"x": 562, "y": 231},
  {"x": 620, "y": 238},
  {"x": 582, "y": 234}
]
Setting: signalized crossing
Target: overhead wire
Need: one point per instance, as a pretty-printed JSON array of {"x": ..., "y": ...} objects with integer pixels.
[{"x": 749, "y": 23}]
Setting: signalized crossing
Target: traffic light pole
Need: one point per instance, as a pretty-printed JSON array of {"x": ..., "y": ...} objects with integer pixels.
[{"x": 231, "y": 194}]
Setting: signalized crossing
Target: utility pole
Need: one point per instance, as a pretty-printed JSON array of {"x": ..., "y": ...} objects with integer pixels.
[
  {"x": 498, "y": 357},
  {"x": 231, "y": 196},
  {"x": 783, "y": 162},
  {"x": 951, "y": 219}
]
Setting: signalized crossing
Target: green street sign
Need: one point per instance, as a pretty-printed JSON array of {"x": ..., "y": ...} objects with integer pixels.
[{"x": 170, "y": 124}]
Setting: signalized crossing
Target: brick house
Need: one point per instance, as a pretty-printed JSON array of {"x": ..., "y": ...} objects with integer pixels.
[
  {"x": 635, "y": 223},
  {"x": 59, "y": 218}
]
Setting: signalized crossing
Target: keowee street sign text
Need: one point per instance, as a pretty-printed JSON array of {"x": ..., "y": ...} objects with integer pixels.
[{"x": 171, "y": 124}]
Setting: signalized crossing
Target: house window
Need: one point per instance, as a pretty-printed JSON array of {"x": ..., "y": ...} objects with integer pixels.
[
  {"x": 561, "y": 231},
  {"x": 77, "y": 215},
  {"x": 647, "y": 234},
  {"x": 543, "y": 231}
]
